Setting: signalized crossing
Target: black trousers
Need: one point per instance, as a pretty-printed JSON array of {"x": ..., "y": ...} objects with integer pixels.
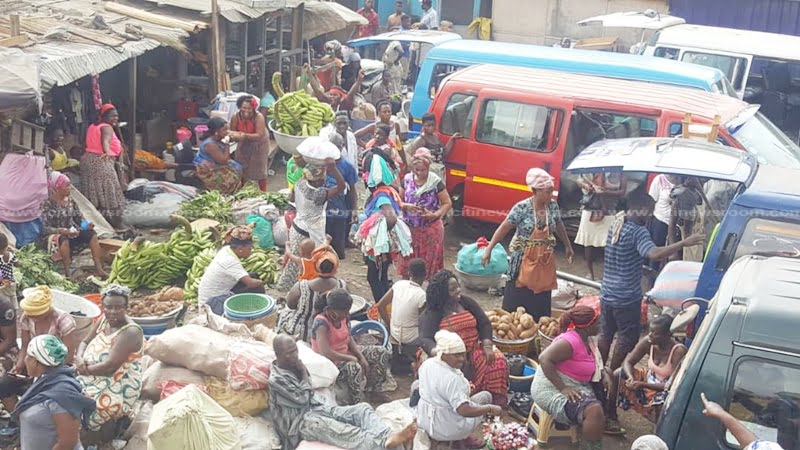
[
  {"x": 337, "y": 228},
  {"x": 240, "y": 287},
  {"x": 537, "y": 305},
  {"x": 378, "y": 278}
]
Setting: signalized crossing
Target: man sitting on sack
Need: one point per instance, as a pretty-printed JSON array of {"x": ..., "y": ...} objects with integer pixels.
[{"x": 297, "y": 415}]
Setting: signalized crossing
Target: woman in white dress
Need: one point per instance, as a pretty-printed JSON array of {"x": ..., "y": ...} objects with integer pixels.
[{"x": 601, "y": 193}]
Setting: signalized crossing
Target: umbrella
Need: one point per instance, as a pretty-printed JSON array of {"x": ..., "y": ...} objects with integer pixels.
[
  {"x": 19, "y": 80},
  {"x": 325, "y": 17}
]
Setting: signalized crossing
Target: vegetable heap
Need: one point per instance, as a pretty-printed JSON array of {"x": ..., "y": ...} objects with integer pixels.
[
  {"x": 165, "y": 301},
  {"x": 297, "y": 113},
  {"x": 153, "y": 265},
  {"x": 215, "y": 206},
  {"x": 36, "y": 268}
]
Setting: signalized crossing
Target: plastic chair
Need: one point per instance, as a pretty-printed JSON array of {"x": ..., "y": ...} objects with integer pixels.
[{"x": 544, "y": 427}]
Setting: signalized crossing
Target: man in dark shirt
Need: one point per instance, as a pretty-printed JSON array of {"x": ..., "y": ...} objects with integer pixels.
[{"x": 340, "y": 209}]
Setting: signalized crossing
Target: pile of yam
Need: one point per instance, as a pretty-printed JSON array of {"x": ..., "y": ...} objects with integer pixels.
[
  {"x": 549, "y": 326},
  {"x": 512, "y": 326}
]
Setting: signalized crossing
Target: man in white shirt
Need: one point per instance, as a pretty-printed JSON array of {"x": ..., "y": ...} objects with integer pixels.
[
  {"x": 431, "y": 18},
  {"x": 226, "y": 276},
  {"x": 406, "y": 298},
  {"x": 341, "y": 125}
]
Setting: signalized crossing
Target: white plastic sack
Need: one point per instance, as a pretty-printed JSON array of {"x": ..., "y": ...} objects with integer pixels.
[
  {"x": 279, "y": 233},
  {"x": 191, "y": 420},
  {"x": 323, "y": 371},
  {"x": 193, "y": 347},
  {"x": 315, "y": 149},
  {"x": 256, "y": 433},
  {"x": 136, "y": 434},
  {"x": 397, "y": 415},
  {"x": 152, "y": 214}
]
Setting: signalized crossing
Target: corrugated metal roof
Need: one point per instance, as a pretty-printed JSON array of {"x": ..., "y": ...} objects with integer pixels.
[
  {"x": 233, "y": 11},
  {"x": 65, "y": 62},
  {"x": 88, "y": 50}
]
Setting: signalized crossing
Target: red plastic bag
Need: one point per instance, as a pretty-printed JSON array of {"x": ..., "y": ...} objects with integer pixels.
[{"x": 170, "y": 387}]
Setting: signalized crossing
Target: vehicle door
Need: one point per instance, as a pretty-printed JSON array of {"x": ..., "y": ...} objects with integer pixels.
[
  {"x": 761, "y": 390},
  {"x": 511, "y": 133}
]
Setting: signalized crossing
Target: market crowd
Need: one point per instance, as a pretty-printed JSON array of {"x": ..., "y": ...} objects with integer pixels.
[{"x": 63, "y": 391}]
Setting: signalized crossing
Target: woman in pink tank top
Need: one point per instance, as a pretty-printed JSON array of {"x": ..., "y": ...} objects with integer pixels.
[
  {"x": 99, "y": 164},
  {"x": 568, "y": 383},
  {"x": 644, "y": 390},
  {"x": 362, "y": 368}
]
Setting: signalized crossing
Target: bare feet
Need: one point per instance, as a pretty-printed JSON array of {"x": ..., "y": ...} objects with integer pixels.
[
  {"x": 100, "y": 273},
  {"x": 402, "y": 436}
]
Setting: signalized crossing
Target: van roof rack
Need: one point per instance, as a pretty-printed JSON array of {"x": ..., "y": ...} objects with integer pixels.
[{"x": 700, "y": 131}]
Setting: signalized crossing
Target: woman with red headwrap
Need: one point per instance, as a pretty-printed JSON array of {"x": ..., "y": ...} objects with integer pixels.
[
  {"x": 249, "y": 129},
  {"x": 425, "y": 203},
  {"x": 99, "y": 163},
  {"x": 64, "y": 233},
  {"x": 568, "y": 385}
]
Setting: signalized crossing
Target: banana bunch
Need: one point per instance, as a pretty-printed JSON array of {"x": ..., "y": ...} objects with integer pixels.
[
  {"x": 264, "y": 264},
  {"x": 136, "y": 264},
  {"x": 299, "y": 114},
  {"x": 199, "y": 264}
]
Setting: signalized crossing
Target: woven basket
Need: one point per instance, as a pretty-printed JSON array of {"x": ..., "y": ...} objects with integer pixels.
[{"x": 519, "y": 346}]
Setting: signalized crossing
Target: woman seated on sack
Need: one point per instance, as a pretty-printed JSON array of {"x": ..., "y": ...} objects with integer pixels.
[
  {"x": 225, "y": 275},
  {"x": 63, "y": 231},
  {"x": 485, "y": 367},
  {"x": 306, "y": 298},
  {"x": 108, "y": 362},
  {"x": 446, "y": 410},
  {"x": 53, "y": 409},
  {"x": 642, "y": 389},
  {"x": 361, "y": 368},
  {"x": 39, "y": 317},
  {"x": 568, "y": 383},
  {"x": 213, "y": 163}
]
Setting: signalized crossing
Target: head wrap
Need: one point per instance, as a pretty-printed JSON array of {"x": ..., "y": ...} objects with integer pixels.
[
  {"x": 331, "y": 47},
  {"x": 242, "y": 234},
  {"x": 325, "y": 253},
  {"x": 314, "y": 173},
  {"x": 380, "y": 172},
  {"x": 422, "y": 155},
  {"x": 106, "y": 107},
  {"x": 539, "y": 179},
  {"x": 649, "y": 442},
  {"x": 56, "y": 180},
  {"x": 48, "y": 350},
  {"x": 448, "y": 343},
  {"x": 115, "y": 290},
  {"x": 38, "y": 301}
]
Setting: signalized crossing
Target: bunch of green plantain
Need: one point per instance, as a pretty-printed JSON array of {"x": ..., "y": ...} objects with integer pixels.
[
  {"x": 199, "y": 265},
  {"x": 154, "y": 265},
  {"x": 264, "y": 264},
  {"x": 297, "y": 113}
]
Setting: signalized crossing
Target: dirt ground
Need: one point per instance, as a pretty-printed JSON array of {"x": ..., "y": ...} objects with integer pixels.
[{"x": 354, "y": 272}]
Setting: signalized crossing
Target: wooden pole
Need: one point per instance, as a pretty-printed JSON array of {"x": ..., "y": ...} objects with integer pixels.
[
  {"x": 216, "y": 74},
  {"x": 14, "y": 18},
  {"x": 133, "y": 86}
]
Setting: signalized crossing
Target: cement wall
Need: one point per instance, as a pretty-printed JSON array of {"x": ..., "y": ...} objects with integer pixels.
[{"x": 547, "y": 21}]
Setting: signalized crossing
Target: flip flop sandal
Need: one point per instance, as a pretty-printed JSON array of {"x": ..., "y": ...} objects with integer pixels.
[{"x": 613, "y": 429}]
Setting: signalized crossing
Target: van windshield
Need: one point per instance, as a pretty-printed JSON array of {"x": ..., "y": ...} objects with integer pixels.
[{"x": 767, "y": 143}]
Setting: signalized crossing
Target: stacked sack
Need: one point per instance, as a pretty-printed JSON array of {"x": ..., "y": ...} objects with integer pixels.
[{"x": 211, "y": 361}]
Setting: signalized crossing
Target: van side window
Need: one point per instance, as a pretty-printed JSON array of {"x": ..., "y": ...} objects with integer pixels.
[
  {"x": 667, "y": 52},
  {"x": 769, "y": 238},
  {"x": 517, "y": 125},
  {"x": 766, "y": 399},
  {"x": 731, "y": 66},
  {"x": 457, "y": 117},
  {"x": 439, "y": 73}
]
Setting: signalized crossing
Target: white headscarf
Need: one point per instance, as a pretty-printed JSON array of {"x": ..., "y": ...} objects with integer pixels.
[
  {"x": 448, "y": 343},
  {"x": 649, "y": 442}
]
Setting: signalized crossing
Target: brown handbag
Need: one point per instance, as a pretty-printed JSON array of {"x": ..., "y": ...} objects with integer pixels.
[{"x": 537, "y": 270}]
